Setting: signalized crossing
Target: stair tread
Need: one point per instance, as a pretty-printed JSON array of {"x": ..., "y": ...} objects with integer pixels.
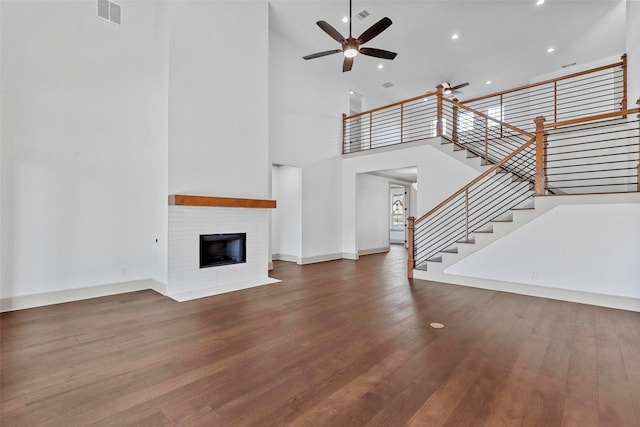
[
  {"x": 468, "y": 242},
  {"x": 449, "y": 251},
  {"x": 501, "y": 220},
  {"x": 435, "y": 259}
]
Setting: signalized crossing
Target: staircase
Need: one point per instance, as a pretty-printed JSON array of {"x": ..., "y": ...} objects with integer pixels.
[{"x": 551, "y": 138}]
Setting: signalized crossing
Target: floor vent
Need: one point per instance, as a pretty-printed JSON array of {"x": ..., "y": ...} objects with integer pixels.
[{"x": 109, "y": 11}]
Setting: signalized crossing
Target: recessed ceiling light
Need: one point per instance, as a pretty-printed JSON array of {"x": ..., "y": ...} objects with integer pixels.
[
  {"x": 345, "y": 19},
  {"x": 380, "y": 66},
  {"x": 488, "y": 82},
  {"x": 455, "y": 36},
  {"x": 551, "y": 49},
  {"x": 350, "y": 92},
  {"x": 539, "y": 2}
]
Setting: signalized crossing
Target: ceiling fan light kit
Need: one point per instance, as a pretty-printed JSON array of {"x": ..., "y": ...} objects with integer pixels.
[{"x": 350, "y": 47}]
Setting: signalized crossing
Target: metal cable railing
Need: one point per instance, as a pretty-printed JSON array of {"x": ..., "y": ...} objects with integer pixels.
[
  {"x": 482, "y": 135},
  {"x": 402, "y": 122},
  {"x": 591, "y": 92},
  {"x": 470, "y": 209},
  {"x": 596, "y": 157}
]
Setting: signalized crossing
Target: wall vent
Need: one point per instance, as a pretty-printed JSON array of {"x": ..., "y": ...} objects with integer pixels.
[
  {"x": 362, "y": 14},
  {"x": 387, "y": 85},
  {"x": 109, "y": 11},
  {"x": 569, "y": 65}
]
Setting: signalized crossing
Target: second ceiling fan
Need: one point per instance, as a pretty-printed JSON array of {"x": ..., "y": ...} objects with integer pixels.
[{"x": 350, "y": 47}]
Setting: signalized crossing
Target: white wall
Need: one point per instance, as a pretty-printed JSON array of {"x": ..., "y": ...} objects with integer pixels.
[
  {"x": 372, "y": 212},
  {"x": 439, "y": 176},
  {"x": 321, "y": 210},
  {"x": 286, "y": 219},
  {"x": 305, "y": 107},
  {"x": 218, "y": 98},
  {"x": 586, "y": 248},
  {"x": 633, "y": 52},
  {"x": 83, "y": 120}
]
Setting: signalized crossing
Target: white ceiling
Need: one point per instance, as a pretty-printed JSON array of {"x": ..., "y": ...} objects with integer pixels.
[{"x": 502, "y": 41}]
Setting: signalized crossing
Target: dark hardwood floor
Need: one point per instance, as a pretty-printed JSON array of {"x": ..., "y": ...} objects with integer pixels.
[{"x": 341, "y": 343}]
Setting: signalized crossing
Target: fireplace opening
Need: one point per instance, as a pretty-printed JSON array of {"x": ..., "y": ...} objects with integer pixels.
[{"x": 222, "y": 249}]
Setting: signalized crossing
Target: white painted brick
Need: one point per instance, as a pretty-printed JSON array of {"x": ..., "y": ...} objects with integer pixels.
[{"x": 187, "y": 223}]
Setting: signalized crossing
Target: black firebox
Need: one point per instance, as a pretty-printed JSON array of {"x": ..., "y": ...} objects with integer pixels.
[{"x": 222, "y": 249}]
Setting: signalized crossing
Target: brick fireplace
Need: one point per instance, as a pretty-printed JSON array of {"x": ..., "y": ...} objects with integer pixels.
[{"x": 191, "y": 217}]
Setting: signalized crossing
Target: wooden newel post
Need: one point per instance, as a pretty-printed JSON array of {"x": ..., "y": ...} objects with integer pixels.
[
  {"x": 623, "y": 103},
  {"x": 344, "y": 128},
  {"x": 541, "y": 154},
  {"x": 454, "y": 125},
  {"x": 440, "y": 89},
  {"x": 410, "y": 242}
]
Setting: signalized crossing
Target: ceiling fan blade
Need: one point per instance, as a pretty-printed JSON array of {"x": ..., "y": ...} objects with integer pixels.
[
  {"x": 347, "y": 64},
  {"x": 374, "y": 30},
  {"x": 460, "y": 86},
  {"x": 331, "y": 31},
  {"x": 378, "y": 53},
  {"x": 319, "y": 54}
]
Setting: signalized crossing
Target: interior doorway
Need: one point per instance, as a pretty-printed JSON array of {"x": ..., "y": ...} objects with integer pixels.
[{"x": 399, "y": 202}]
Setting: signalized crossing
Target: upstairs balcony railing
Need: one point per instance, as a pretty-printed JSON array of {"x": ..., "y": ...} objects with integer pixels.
[
  {"x": 592, "y": 92},
  {"x": 587, "y": 93}
]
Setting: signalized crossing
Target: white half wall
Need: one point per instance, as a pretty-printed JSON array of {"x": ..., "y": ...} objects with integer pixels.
[{"x": 585, "y": 248}]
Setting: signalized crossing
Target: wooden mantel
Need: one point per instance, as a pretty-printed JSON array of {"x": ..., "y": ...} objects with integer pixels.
[{"x": 225, "y": 202}]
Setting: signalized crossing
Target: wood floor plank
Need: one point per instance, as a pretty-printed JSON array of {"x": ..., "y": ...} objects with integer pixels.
[{"x": 342, "y": 343}]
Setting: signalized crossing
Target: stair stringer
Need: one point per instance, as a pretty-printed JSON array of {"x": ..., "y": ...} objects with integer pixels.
[{"x": 542, "y": 204}]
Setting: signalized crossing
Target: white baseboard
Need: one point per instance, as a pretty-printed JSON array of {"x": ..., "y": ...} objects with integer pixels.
[
  {"x": 217, "y": 290},
  {"x": 349, "y": 255},
  {"x": 373, "y": 251},
  {"x": 68, "y": 295},
  {"x": 320, "y": 258},
  {"x": 602, "y": 300},
  {"x": 285, "y": 257}
]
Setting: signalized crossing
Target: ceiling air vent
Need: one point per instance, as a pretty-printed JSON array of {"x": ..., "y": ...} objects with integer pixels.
[
  {"x": 362, "y": 14},
  {"x": 569, "y": 65},
  {"x": 387, "y": 85},
  {"x": 109, "y": 11}
]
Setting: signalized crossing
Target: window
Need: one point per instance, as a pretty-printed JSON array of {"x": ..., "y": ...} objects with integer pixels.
[
  {"x": 495, "y": 112},
  {"x": 397, "y": 211},
  {"x": 465, "y": 121}
]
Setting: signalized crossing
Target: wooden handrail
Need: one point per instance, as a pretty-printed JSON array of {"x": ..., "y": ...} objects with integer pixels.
[
  {"x": 415, "y": 98},
  {"x": 481, "y": 114},
  {"x": 593, "y": 118},
  {"x": 557, "y": 79},
  {"x": 477, "y": 179}
]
